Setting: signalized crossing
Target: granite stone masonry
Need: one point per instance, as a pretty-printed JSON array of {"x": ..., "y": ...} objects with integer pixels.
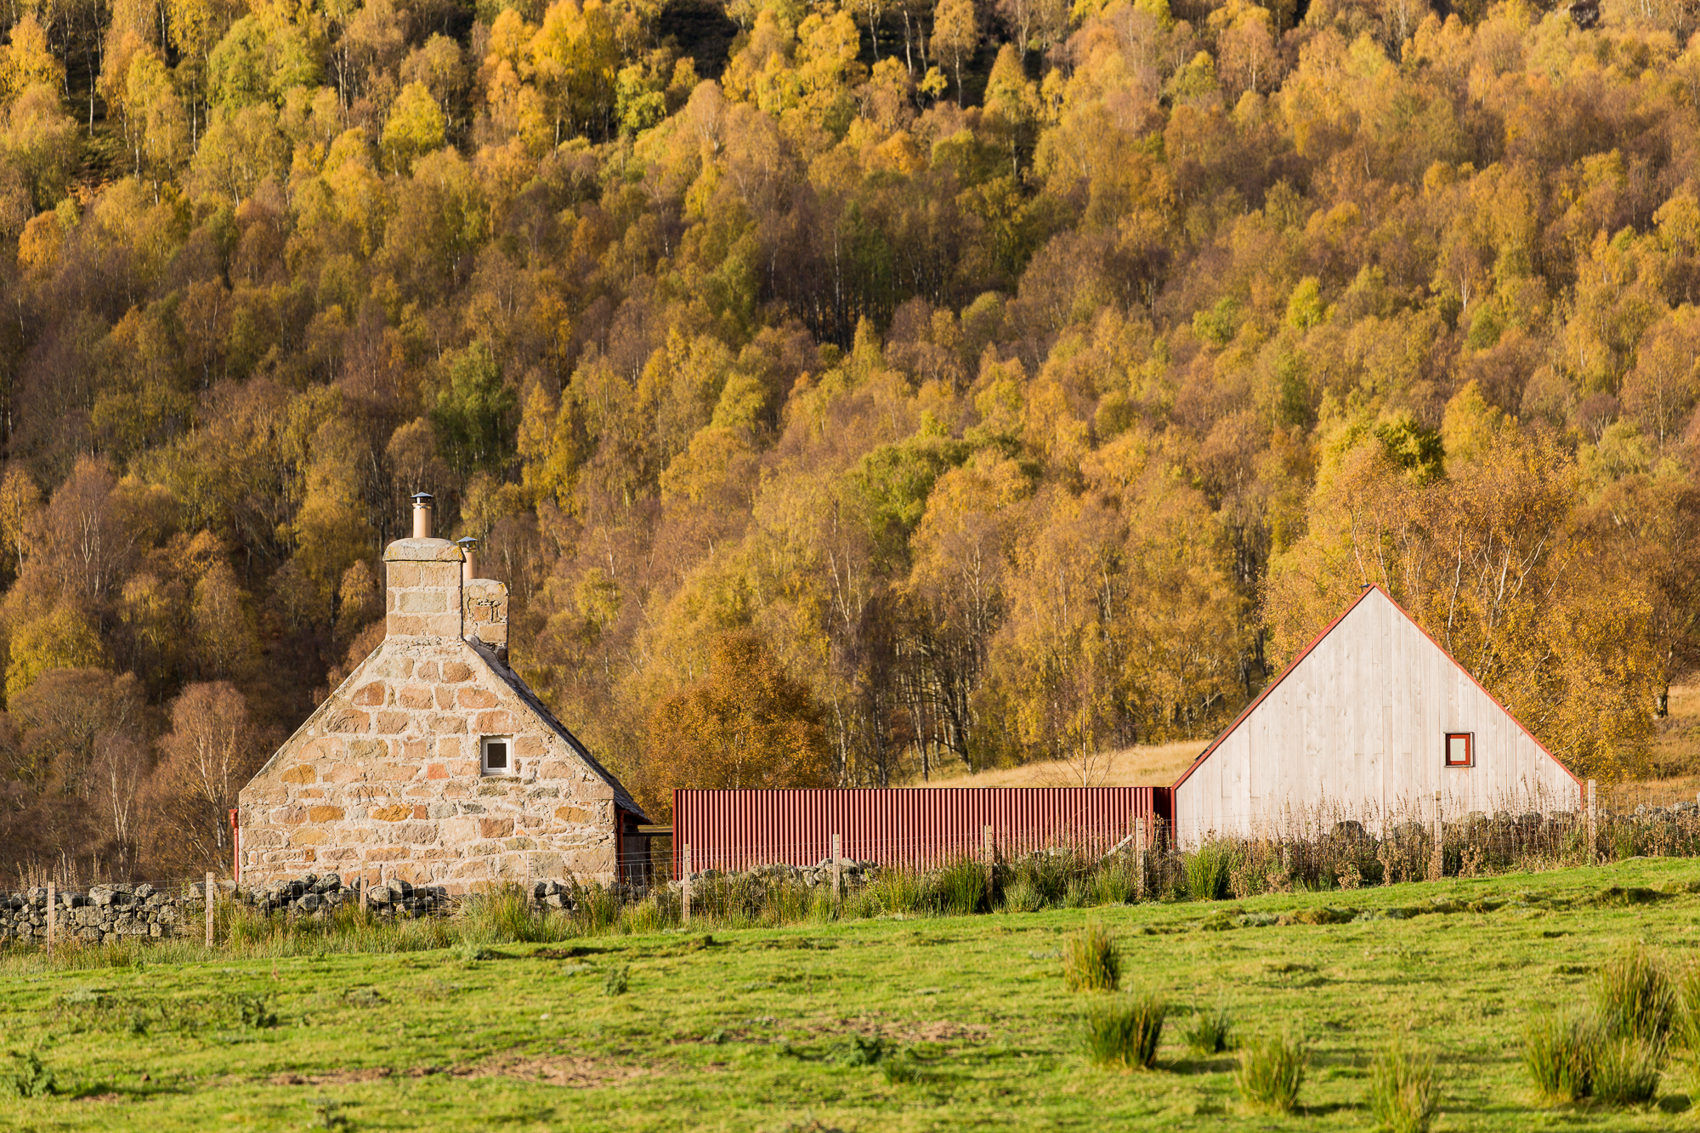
[
  {"x": 108, "y": 914},
  {"x": 103, "y": 914},
  {"x": 434, "y": 763}
]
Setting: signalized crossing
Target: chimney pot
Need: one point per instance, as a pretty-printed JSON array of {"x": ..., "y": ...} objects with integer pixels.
[
  {"x": 469, "y": 565},
  {"x": 423, "y": 502}
]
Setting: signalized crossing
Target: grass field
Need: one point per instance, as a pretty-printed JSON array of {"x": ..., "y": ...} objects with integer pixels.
[
  {"x": 1150, "y": 765},
  {"x": 775, "y": 1029}
]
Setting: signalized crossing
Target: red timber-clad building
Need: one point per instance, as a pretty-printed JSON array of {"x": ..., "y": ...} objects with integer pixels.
[{"x": 914, "y": 827}]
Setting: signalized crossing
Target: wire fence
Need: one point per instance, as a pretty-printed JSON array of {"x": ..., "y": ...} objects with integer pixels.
[{"x": 1012, "y": 869}]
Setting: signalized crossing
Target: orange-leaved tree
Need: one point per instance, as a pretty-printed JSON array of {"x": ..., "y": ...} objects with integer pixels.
[{"x": 747, "y": 724}]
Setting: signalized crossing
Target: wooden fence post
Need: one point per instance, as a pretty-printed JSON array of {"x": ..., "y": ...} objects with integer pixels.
[
  {"x": 1437, "y": 867},
  {"x": 52, "y": 900},
  {"x": 208, "y": 893},
  {"x": 1593, "y": 821},
  {"x": 990, "y": 853},
  {"x": 685, "y": 887},
  {"x": 837, "y": 869},
  {"x": 364, "y": 886},
  {"x": 1139, "y": 857}
]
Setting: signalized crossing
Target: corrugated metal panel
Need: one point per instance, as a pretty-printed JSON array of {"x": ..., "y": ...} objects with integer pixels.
[{"x": 918, "y": 828}]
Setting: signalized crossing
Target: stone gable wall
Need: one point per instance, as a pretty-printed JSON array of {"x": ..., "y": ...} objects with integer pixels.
[{"x": 385, "y": 778}]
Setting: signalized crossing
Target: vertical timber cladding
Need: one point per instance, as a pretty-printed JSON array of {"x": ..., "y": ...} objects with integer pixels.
[{"x": 914, "y": 827}]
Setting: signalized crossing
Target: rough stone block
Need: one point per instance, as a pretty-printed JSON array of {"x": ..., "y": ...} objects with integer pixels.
[
  {"x": 346, "y": 720},
  {"x": 403, "y": 625},
  {"x": 391, "y": 813},
  {"x": 495, "y": 827},
  {"x": 391, "y": 723},
  {"x": 497, "y": 721},
  {"x": 309, "y": 836},
  {"x": 476, "y": 698},
  {"x": 436, "y": 771},
  {"x": 392, "y": 666},
  {"x": 422, "y": 601},
  {"x": 300, "y": 773},
  {"x": 416, "y": 696},
  {"x": 416, "y": 833},
  {"x": 371, "y": 695},
  {"x": 454, "y": 672},
  {"x": 324, "y": 813}
]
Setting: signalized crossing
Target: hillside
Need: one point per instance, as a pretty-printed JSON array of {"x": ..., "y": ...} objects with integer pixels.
[{"x": 983, "y": 378}]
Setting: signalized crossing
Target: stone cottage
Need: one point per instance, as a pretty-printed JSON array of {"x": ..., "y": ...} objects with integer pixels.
[{"x": 434, "y": 762}]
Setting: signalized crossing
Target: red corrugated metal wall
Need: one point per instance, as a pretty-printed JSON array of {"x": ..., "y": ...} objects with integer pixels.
[{"x": 915, "y": 827}]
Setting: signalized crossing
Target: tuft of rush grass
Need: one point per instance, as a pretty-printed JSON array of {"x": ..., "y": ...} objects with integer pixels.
[
  {"x": 1211, "y": 1032},
  {"x": 960, "y": 888},
  {"x": 1560, "y": 1053},
  {"x": 1209, "y": 868},
  {"x": 1126, "y": 1032},
  {"x": 1021, "y": 896},
  {"x": 1685, "y": 1018},
  {"x": 1634, "y": 995},
  {"x": 1270, "y": 1074},
  {"x": 1091, "y": 960},
  {"x": 1626, "y": 1071},
  {"x": 1115, "y": 882},
  {"x": 1402, "y": 1091},
  {"x": 897, "y": 892},
  {"x": 506, "y": 914}
]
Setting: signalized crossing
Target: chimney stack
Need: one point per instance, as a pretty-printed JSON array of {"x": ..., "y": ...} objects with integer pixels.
[
  {"x": 484, "y": 604},
  {"x": 423, "y": 502},
  {"x": 422, "y": 586}
]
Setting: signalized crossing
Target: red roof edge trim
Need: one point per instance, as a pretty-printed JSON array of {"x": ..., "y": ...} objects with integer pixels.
[
  {"x": 1317, "y": 640},
  {"x": 1276, "y": 683},
  {"x": 1492, "y": 699}
]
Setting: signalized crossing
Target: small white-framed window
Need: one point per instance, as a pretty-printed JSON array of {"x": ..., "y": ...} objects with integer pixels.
[
  {"x": 1460, "y": 749},
  {"x": 496, "y": 755}
]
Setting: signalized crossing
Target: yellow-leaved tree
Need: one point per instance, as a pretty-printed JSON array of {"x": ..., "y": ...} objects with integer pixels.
[{"x": 1491, "y": 558}]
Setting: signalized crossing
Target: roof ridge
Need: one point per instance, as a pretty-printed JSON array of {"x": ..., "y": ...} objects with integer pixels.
[{"x": 1365, "y": 592}]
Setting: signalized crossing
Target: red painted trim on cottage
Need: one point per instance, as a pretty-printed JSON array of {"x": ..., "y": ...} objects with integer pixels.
[{"x": 1317, "y": 640}]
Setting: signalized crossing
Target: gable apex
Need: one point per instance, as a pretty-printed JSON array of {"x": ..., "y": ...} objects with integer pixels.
[{"x": 1371, "y": 595}]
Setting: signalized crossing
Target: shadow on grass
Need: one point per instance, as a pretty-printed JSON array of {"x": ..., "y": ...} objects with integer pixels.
[{"x": 1195, "y": 1065}]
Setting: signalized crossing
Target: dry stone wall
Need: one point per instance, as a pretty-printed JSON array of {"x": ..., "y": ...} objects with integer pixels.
[
  {"x": 103, "y": 914},
  {"x": 109, "y": 914}
]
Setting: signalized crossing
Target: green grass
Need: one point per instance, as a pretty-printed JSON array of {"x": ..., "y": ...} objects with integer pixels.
[
  {"x": 1212, "y": 1032},
  {"x": 1125, "y": 1032},
  {"x": 1403, "y": 1094},
  {"x": 769, "y": 1029},
  {"x": 1091, "y": 960},
  {"x": 1271, "y": 1072}
]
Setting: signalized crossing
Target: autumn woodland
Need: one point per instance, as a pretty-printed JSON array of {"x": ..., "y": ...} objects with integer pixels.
[{"x": 848, "y": 395}]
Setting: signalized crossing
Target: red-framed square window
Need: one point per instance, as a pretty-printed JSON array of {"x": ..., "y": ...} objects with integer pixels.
[{"x": 1460, "y": 749}]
